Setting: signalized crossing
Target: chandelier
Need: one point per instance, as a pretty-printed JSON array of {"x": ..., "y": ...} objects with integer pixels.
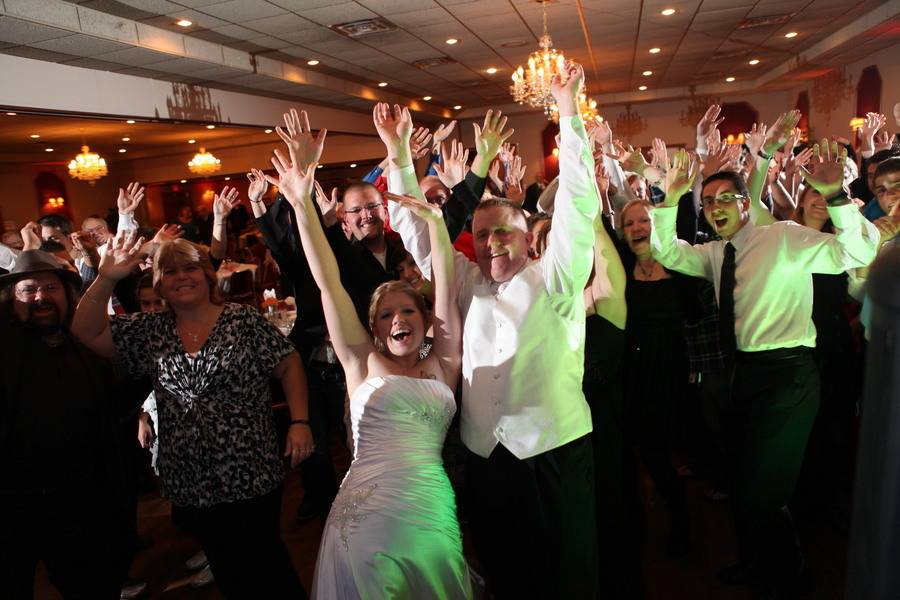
[
  {"x": 531, "y": 86},
  {"x": 829, "y": 90},
  {"x": 204, "y": 163},
  {"x": 697, "y": 108},
  {"x": 87, "y": 166},
  {"x": 586, "y": 106},
  {"x": 630, "y": 123}
]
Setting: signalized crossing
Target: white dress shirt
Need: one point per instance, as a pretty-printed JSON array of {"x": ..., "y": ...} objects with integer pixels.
[
  {"x": 523, "y": 340},
  {"x": 773, "y": 292}
]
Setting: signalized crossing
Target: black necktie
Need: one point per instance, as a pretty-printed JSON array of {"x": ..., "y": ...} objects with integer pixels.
[{"x": 727, "y": 339}]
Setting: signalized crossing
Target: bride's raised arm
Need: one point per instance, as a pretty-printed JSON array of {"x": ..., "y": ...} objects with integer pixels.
[{"x": 351, "y": 341}]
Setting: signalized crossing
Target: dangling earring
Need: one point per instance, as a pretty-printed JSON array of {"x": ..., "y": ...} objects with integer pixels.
[{"x": 379, "y": 345}]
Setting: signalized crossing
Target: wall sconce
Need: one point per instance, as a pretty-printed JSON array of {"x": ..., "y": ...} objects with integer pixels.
[{"x": 56, "y": 202}]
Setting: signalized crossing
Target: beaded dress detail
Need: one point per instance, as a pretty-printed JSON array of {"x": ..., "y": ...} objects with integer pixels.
[{"x": 392, "y": 531}]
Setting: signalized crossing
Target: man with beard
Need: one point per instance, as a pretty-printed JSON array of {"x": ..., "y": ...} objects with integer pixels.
[{"x": 60, "y": 478}]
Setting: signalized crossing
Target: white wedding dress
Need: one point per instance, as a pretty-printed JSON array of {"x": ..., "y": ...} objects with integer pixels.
[{"x": 392, "y": 531}]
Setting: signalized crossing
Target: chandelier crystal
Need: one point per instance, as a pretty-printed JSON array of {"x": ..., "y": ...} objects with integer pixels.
[
  {"x": 204, "y": 163},
  {"x": 531, "y": 85},
  {"x": 87, "y": 166},
  {"x": 586, "y": 106}
]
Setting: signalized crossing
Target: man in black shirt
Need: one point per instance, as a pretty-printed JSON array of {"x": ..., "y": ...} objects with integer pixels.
[{"x": 61, "y": 493}]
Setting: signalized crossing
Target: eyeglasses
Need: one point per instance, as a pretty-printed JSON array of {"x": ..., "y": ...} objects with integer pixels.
[
  {"x": 28, "y": 292},
  {"x": 725, "y": 198},
  {"x": 370, "y": 208}
]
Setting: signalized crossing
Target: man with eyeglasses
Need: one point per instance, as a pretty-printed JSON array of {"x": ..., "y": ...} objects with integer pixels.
[
  {"x": 763, "y": 281},
  {"x": 61, "y": 477}
]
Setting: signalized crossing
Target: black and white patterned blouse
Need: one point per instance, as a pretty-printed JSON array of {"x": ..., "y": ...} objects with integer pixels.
[{"x": 217, "y": 440}]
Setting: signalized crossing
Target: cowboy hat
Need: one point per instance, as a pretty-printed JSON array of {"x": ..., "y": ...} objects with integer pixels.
[{"x": 34, "y": 262}]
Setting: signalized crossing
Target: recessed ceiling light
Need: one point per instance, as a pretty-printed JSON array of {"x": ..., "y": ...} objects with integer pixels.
[
  {"x": 451, "y": 41},
  {"x": 457, "y": 107},
  {"x": 122, "y": 150},
  {"x": 192, "y": 141},
  {"x": 426, "y": 98},
  {"x": 320, "y": 166},
  {"x": 791, "y": 34},
  {"x": 268, "y": 131},
  {"x": 647, "y": 73},
  {"x": 126, "y": 139},
  {"x": 491, "y": 70},
  {"x": 48, "y": 149},
  {"x": 228, "y": 179},
  {"x": 642, "y": 88},
  {"x": 382, "y": 84},
  {"x": 729, "y": 79},
  {"x": 184, "y": 22},
  {"x": 11, "y": 114},
  {"x": 668, "y": 12},
  {"x": 312, "y": 62},
  {"x": 755, "y": 61},
  {"x": 34, "y": 136},
  {"x": 352, "y": 165},
  {"x": 130, "y": 121},
  {"x": 210, "y": 126},
  {"x": 655, "y": 50},
  {"x": 184, "y": 181}
]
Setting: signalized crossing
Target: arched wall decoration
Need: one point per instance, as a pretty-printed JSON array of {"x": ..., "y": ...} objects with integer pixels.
[
  {"x": 551, "y": 160},
  {"x": 803, "y": 106},
  {"x": 51, "y": 195},
  {"x": 739, "y": 119},
  {"x": 829, "y": 91},
  {"x": 868, "y": 91}
]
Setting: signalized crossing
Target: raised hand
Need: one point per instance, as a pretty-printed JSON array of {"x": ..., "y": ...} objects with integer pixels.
[
  {"x": 565, "y": 88},
  {"x": 793, "y": 162},
  {"x": 888, "y": 228},
  {"x": 83, "y": 241},
  {"x": 882, "y": 141},
  {"x": 780, "y": 132},
  {"x": 31, "y": 236},
  {"x": 327, "y": 205},
  {"x": 298, "y": 137},
  {"x": 680, "y": 177},
  {"x": 420, "y": 208},
  {"x": 442, "y": 133},
  {"x": 515, "y": 193},
  {"x": 419, "y": 142},
  {"x": 394, "y": 127},
  {"x": 129, "y": 198},
  {"x": 295, "y": 183},
  {"x": 659, "y": 154},
  {"x": 602, "y": 177},
  {"x": 490, "y": 137},
  {"x": 167, "y": 233},
  {"x": 224, "y": 202},
  {"x": 258, "y": 185},
  {"x": 601, "y": 135},
  {"x": 756, "y": 137},
  {"x": 634, "y": 161},
  {"x": 515, "y": 171},
  {"x": 122, "y": 256},
  {"x": 506, "y": 153},
  {"x": 494, "y": 173},
  {"x": 709, "y": 122},
  {"x": 718, "y": 157},
  {"x": 452, "y": 168},
  {"x": 871, "y": 125},
  {"x": 826, "y": 174}
]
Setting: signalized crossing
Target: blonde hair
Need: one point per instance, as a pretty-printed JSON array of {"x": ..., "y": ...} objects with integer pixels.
[
  {"x": 182, "y": 252},
  {"x": 390, "y": 287},
  {"x": 620, "y": 218}
]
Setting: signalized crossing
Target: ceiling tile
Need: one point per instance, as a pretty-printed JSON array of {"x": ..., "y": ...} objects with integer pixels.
[
  {"x": 93, "y": 63},
  {"x": 101, "y": 24},
  {"x": 280, "y": 24},
  {"x": 49, "y": 13},
  {"x": 135, "y": 57},
  {"x": 37, "y": 54},
  {"x": 338, "y": 13},
  {"x": 388, "y": 7},
  {"x": 17, "y": 31},
  {"x": 237, "y": 11},
  {"x": 236, "y": 31},
  {"x": 81, "y": 45}
]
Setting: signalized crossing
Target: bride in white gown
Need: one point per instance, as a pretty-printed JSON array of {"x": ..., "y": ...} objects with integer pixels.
[{"x": 392, "y": 531}]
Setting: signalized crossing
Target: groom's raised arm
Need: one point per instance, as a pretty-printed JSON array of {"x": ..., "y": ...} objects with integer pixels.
[{"x": 569, "y": 257}]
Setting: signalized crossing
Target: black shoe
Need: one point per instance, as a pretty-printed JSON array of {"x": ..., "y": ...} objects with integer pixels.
[{"x": 738, "y": 574}]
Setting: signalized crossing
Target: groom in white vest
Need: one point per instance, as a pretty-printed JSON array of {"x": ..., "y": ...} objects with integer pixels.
[{"x": 525, "y": 422}]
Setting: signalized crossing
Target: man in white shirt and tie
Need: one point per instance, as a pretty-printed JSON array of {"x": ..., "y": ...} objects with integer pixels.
[
  {"x": 763, "y": 281},
  {"x": 530, "y": 489}
]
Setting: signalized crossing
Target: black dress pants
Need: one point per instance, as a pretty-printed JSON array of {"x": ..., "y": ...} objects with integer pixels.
[
  {"x": 774, "y": 404},
  {"x": 326, "y": 405},
  {"x": 76, "y": 535},
  {"x": 533, "y": 521},
  {"x": 243, "y": 543}
]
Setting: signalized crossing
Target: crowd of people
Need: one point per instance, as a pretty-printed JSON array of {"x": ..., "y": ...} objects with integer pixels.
[{"x": 704, "y": 312}]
